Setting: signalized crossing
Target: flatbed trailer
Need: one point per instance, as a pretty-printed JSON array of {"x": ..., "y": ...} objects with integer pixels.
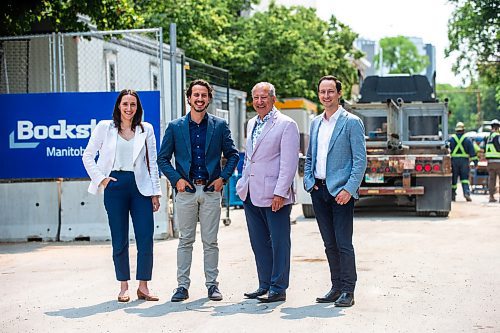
[{"x": 407, "y": 145}]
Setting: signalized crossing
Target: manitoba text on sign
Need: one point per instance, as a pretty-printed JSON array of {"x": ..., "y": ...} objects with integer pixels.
[{"x": 44, "y": 135}]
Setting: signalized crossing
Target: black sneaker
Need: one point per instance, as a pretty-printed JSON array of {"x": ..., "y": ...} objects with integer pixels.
[
  {"x": 214, "y": 293},
  {"x": 180, "y": 294}
]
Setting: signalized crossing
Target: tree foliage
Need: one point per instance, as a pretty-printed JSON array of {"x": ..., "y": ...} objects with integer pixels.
[
  {"x": 464, "y": 103},
  {"x": 204, "y": 27},
  {"x": 473, "y": 32},
  {"x": 400, "y": 56},
  {"x": 290, "y": 47},
  {"x": 25, "y": 17}
]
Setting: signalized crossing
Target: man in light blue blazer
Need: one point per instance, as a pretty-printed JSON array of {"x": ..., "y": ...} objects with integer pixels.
[
  {"x": 266, "y": 188},
  {"x": 198, "y": 140},
  {"x": 334, "y": 168}
]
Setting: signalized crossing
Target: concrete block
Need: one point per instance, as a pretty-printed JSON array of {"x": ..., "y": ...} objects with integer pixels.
[
  {"x": 29, "y": 211},
  {"x": 83, "y": 216}
]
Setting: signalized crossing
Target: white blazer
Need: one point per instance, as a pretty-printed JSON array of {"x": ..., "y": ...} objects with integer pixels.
[{"x": 103, "y": 140}]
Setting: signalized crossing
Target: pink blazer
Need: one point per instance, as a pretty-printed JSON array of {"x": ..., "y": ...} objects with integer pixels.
[{"x": 270, "y": 168}]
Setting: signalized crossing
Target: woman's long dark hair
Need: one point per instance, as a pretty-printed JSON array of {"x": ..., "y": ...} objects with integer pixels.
[{"x": 117, "y": 117}]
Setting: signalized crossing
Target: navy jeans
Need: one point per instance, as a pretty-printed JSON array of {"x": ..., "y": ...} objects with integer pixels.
[
  {"x": 270, "y": 239},
  {"x": 335, "y": 224},
  {"x": 122, "y": 198}
]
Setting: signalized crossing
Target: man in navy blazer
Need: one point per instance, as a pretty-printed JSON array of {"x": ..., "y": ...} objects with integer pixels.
[
  {"x": 198, "y": 140},
  {"x": 333, "y": 171}
]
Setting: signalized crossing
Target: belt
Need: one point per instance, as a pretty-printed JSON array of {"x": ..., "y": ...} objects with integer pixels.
[
  {"x": 199, "y": 181},
  {"x": 319, "y": 181}
]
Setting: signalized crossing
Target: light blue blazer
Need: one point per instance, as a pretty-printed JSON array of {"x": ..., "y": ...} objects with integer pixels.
[{"x": 346, "y": 161}]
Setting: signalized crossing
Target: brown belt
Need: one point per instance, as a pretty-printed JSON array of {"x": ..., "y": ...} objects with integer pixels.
[{"x": 199, "y": 181}]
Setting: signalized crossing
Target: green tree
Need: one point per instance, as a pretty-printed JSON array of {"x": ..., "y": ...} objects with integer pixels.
[
  {"x": 24, "y": 17},
  {"x": 490, "y": 108},
  {"x": 292, "y": 48},
  {"x": 401, "y": 56},
  {"x": 204, "y": 27},
  {"x": 473, "y": 32},
  {"x": 464, "y": 103}
]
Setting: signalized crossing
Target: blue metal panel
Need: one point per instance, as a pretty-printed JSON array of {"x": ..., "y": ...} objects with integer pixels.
[{"x": 44, "y": 135}]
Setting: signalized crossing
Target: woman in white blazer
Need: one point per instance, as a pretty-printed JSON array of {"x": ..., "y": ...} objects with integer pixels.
[{"x": 127, "y": 173}]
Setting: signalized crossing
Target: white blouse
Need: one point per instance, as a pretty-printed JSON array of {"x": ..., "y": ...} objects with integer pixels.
[{"x": 124, "y": 160}]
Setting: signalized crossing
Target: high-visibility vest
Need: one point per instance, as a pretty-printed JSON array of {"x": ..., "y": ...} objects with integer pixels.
[
  {"x": 477, "y": 149},
  {"x": 459, "y": 150},
  {"x": 491, "y": 151}
]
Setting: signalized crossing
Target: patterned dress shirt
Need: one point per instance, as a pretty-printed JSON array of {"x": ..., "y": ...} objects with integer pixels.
[{"x": 259, "y": 126}]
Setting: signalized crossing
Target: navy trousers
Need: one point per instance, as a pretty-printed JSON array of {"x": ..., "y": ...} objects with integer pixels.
[
  {"x": 122, "y": 198},
  {"x": 335, "y": 224},
  {"x": 460, "y": 168},
  {"x": 270, "y": 240}
]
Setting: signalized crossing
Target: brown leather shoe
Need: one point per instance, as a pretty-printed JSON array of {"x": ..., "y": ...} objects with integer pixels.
[
  {"x": 124, "y": 298},
  {"x": 145, "y": 297}
]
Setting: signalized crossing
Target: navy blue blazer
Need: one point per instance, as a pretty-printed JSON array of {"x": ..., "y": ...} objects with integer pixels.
[{"x": 176, "y": 141}]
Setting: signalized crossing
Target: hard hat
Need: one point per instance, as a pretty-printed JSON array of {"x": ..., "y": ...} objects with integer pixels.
[
  {"x": 460, "y": 126},
  {"x": 495, "y": 122}
]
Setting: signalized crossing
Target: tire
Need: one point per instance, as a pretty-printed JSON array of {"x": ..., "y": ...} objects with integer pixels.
[
  {"x": 308, "y": 211},
  {"x": 442, "y": 214},
  {"x": 425, "y": 213},
  {"x": 430, "y": 213}
]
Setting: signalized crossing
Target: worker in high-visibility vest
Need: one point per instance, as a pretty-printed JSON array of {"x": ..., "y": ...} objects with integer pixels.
[
  {"x": 462, "y": 152},
  {"x": 477, "y": 148},
  {"x": 492, "y": 155}
]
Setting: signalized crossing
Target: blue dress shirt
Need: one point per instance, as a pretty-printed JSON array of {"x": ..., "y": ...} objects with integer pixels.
[{"x": 198, "y": 136}]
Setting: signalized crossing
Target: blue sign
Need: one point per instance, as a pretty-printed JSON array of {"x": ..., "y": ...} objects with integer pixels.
[{"x": 44, "y": 135}]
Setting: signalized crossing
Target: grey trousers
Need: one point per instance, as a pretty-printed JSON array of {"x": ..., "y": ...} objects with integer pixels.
[{"x": 204, "y": 207}]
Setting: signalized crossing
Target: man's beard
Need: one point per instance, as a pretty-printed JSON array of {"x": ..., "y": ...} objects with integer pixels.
[{"x": 202, "y": 110}]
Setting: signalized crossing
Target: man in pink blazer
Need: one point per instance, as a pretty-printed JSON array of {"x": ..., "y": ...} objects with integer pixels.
[{"x": 266, "y": 188}]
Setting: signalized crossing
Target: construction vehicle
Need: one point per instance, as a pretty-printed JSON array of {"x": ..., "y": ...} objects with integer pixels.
[
  {"x": 302, "y": 111},
  {"x": 406, "y": 142}
]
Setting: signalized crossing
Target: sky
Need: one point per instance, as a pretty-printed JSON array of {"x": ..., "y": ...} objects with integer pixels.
[{"x": 427, "y": 19}]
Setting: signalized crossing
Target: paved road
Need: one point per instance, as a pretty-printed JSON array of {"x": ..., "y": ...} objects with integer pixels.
[{"x": 414, "y": 275}]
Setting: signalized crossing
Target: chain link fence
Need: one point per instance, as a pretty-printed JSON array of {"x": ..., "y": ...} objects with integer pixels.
[
  {"x": 107, "y": 61},
  {"x": 82, "y": 62},
  {"x": 26, "y": 64},
  {"x": 95, "y": 61}
]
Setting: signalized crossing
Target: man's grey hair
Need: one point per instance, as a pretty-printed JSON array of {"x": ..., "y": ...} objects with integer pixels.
[{"x": 272, "y": 90}]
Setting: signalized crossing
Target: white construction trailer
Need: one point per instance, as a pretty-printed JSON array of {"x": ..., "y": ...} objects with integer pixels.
[{"x": 61, "y": 209}]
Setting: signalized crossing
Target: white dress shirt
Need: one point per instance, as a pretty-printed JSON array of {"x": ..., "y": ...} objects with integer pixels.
[{"x": 324, "y": 135}]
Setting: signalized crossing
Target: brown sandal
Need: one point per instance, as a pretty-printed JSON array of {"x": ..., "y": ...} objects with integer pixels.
[
  {"x": 124, "y": 298},
  {"x": 145, "y": 297}
]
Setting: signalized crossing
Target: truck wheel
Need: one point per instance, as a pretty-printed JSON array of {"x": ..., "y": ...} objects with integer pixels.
[
  {"x": 431, "y": 213},
  {"x": 442, "y": 214},
  {"x": 308, "y": 211},
  {"x": 423, "y": 213}
]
